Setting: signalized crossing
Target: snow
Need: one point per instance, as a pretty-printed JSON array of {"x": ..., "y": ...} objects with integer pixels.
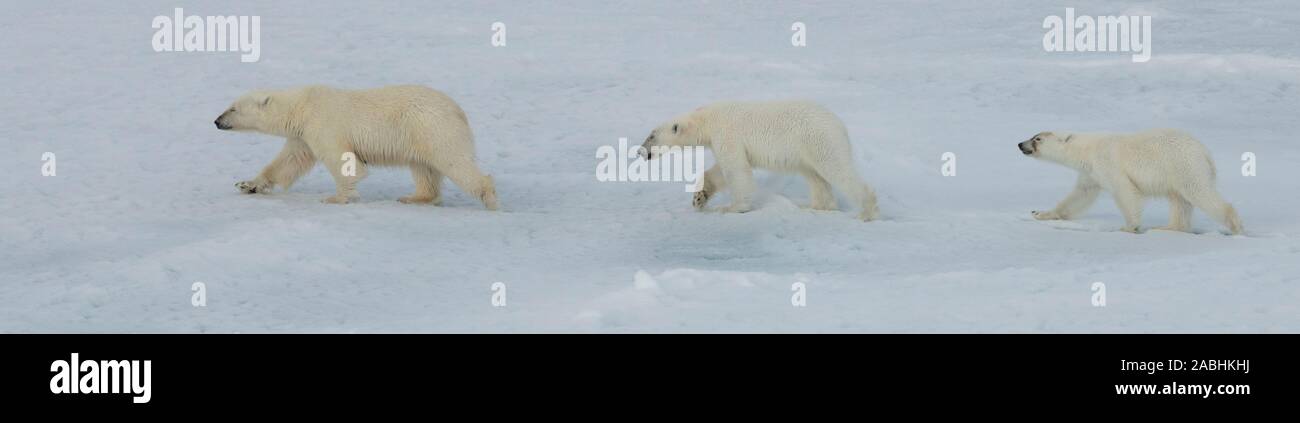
[{"x": 143, "y": 204}]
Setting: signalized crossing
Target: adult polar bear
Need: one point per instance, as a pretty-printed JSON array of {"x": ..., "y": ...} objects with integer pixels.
[
  {"x": 406, "y": 125},
  {"x": 1155, "y": 163},
  {"x": 790, "y": 136}
]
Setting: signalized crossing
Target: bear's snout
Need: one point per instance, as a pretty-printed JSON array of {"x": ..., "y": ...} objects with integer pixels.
[
  {"x": 1026, "y": 147},
  {"x": 221, "y": 125},
  {"x": 647, "y": 148}
]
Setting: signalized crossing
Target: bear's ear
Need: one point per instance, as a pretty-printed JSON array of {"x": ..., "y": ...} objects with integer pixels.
[
  {"x": 688, "y": 125},
  {"x": 266, "y": 100}
]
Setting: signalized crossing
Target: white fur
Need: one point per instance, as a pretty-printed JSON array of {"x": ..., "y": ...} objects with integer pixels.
[
  {"x": 1155, "y": 163},
  {"x": 407, "y": 125},
  {"x": 786, "y": 136}
]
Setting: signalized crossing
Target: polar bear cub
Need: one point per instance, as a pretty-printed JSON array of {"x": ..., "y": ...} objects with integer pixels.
[
  {"x": 788, "y": 136},
  {"x": 348, "y": 130},
  {"x": 1155, "y": 163}
]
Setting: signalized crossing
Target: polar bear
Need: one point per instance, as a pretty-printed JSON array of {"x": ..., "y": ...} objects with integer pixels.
[
  {"x": 1155, "y": 163},
  {"x": 786, "y": 136},
  {"x": 347, "y": 130}
]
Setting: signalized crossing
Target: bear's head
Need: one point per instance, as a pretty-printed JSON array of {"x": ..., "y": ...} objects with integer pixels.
[
  {"x": 679, "y": 132},
  {"x": 1046, "y": 145},
  {"x": 256, "y": 111}
]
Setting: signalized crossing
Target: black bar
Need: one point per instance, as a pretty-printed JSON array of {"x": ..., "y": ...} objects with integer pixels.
[{"x": 407, "y": 370}]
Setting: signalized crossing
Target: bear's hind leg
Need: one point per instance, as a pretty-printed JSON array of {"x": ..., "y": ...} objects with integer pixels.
[
  {"x": 467, "y": 176},
  {"x": 428, "y": 186},
  {"x": 1180, "y": 214},
  {"x": 822, "y": 197},
  {"x": 844, "y": 178},
  {"x": 1209, "y": 200}
]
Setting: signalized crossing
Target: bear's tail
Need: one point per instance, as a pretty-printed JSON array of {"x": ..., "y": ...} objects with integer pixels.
[{"x": 488, "y": 193}]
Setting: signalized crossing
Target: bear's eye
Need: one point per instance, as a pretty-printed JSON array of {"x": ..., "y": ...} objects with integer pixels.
[
  {"x": 674, "y": 128},
  {"x": 1037, "y": 139}
]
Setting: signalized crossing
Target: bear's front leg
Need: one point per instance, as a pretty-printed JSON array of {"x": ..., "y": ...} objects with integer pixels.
[
  {"x": 257, "y": 185},
  {"x": 700, "y": 199},
  {"x": 739, "y": 176},
  {"x": 347, "y": 169},
  {"x": 1084, "y": 194},
  {"x": 713, "y": 182},
  {"x": 1046, "y": 215},
  {"x": 294, "y": 160}
]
